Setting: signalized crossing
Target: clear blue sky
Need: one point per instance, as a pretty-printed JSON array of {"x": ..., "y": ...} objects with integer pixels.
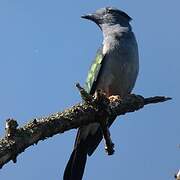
[{"x": 45, "y": 48}]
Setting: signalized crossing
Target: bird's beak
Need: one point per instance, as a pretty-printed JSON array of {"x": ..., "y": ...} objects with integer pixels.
[{"x": 91, "y": 17}]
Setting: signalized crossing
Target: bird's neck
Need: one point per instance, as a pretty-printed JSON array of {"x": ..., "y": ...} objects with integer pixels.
[
  {"x": 112, "y": 36},
  {"x": 114, "y": 31}
]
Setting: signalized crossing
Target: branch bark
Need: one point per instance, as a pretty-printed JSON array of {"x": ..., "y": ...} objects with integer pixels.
[{"x": 16, "y": 140}]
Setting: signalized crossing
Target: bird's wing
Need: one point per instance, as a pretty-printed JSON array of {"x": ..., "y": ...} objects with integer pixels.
[
  {"x": 94, "y": 72},
  {"x": 88, "y": 137}
]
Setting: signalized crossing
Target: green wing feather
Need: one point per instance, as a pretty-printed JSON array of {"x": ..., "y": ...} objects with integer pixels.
[{"x": 94, "y": 72}]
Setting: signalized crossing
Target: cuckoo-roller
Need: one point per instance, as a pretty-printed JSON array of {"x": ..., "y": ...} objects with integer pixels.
[{"x": 114, "y": 71}]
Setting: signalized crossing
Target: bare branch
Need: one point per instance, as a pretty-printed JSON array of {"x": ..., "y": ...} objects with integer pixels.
[{"x": 16, "y": 140}]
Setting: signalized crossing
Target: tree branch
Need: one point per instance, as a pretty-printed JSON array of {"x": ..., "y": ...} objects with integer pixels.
[{"x": 16, "y": 140}]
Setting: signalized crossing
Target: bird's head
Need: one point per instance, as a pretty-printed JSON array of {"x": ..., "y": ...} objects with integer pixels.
[{"x": 108, "y": 16}]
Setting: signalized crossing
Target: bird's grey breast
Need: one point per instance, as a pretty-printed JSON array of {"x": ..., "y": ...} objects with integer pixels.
[{"x": 121, "y": 64}]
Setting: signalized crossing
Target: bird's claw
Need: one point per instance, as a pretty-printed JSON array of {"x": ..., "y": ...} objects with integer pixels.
[{"x": 114, "y": 98}]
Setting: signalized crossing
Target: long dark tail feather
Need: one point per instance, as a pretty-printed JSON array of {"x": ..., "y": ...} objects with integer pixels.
[
  {"x": 85, "y": 143},
  {"x": 75, "y": 166}
]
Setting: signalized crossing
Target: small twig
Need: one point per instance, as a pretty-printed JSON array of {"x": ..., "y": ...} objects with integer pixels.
[
  {"x": 156, "y": 99},
  {"x": 11, "y": 127},
  {"x": 109, "y": 145},
  {"x": 84, "y": 95}
]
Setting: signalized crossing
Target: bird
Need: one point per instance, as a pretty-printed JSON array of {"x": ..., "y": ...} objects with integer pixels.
[{"x": 114, "y": 71}]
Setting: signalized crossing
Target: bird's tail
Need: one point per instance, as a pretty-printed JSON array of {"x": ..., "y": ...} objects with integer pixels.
[{"x": 75, "y": 166}]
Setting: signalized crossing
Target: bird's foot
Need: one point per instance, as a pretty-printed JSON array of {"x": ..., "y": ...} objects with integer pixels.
[
  {"x": 114, "y": 101},
  {"x": 114, "y": 98}
]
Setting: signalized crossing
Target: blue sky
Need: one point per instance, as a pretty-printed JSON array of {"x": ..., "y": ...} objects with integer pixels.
[{"x": 45, "y": 48}]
